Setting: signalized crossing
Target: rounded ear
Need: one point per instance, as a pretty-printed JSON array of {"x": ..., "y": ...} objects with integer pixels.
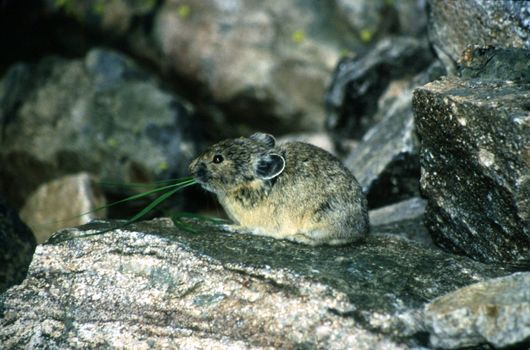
[
  {"x": 269, "y": 166},
  {"x": 266, "y": 139}
]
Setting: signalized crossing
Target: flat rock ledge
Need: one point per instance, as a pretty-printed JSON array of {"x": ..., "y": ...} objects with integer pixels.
[{"x": 152, "y": 285}]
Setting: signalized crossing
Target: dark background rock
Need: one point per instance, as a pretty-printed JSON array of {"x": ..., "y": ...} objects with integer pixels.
[
  {"x": 456, "y": 25},
  {"x": 386, "y": 161},
  {"x": 372, "y": 20},
  {"x": 358, "y": 83},
  {"x": 475, "y": 165},
  {"x": 258, "y": 65},
  {"x": 101, "y": 114},
  {"x": 154, "y": 284},
  {"x": 17, "y": 245}
]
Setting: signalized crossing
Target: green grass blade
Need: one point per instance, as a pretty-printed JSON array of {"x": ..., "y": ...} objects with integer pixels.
[
  {"x": 148, "y": 208},
  {"x": 176, "y": 186},
  {"x": 177, "y": 220},
  {"x": 156, "y": 202},
  {"x": 143, "y": 185}
]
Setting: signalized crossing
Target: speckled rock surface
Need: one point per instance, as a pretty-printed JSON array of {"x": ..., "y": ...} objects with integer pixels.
[
  {"x": 455, "y": 25},
  {"x": 17, "y": 245},
  {"x": 101, "y": 114},
  {"x": 475, "y": 159},
  {"x": 495, "y": 312},
  {"x": 152, "y": 285},
  {"x": 405, "y": 218}
]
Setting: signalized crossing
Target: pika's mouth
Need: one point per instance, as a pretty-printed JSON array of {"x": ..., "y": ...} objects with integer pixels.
[{"x": 200, "y": 173}]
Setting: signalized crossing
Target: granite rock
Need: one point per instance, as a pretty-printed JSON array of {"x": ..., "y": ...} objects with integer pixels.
[
  {"x": 456, "y": 25},
  {"x": 494, "y": 312},
  {"x": 17, "y": 245},
  {"x": 475, "y": 166},
  {"x": 153, "y": 285}
]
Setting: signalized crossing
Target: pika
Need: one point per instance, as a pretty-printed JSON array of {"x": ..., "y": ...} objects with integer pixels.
[{"x": 294, "y": 191}]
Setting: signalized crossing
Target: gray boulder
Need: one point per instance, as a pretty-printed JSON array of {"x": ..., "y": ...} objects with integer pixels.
[
  {"x": 456, "y": 25},
  {"x": 101, "y": 114},
  {"x": 17, "y": 245},
  {"x": 475, "y": 163},
  {"x": 264, "y": 64},
  {"x": 152, "y": 285},
  {"x": 494, "y": 312}
]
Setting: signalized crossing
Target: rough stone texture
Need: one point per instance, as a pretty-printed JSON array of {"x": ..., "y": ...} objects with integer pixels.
[
  {"x": 404, "y": 218},
  {"x": 358, "y": 83},
  {"x": 455, "y": 25},
  {"x": 17, "y": 245},
  {"x": 494, "y": 312},
  {"x": 152, "y": 285},
  {"x": 100, "y": 114},
  {"x": 386, "y": 161},
  {"x": 475, "y": 160},
  {"x": 493, "y": 63},
  {"x": 45, "y": 211}
]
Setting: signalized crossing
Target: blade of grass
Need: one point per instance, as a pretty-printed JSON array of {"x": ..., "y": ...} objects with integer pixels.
[
  {"x": 177, "y": 220},
  {"x": 145, "y": 210},
  {"x": 142, "y": 185},
  {"x": 182, "y": 184}
]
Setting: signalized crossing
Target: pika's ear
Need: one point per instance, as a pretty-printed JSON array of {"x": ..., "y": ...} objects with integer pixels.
[
  {"x": 266, "y": 139},
  {"x": 269, "y": 166}
]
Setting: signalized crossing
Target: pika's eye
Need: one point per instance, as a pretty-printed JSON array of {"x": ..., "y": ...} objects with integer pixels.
[{"x": 218, "y": 159}]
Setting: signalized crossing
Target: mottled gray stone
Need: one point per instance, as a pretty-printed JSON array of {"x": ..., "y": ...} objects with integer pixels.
[
  {"x": 264, "y": 65},
  {"x": 101, "y": 114},
  {"x": 152, "y": 285},
  {"x": 494, "y": 312},
  {"x": 404, "y": 218},
  {"x": 17, "y": 245},
  {"x": 495, "y": 64},
  {"x": 386, "y": 161},
  {"x": 456, "y": 25},
  {"x": 475, "y": 166}
]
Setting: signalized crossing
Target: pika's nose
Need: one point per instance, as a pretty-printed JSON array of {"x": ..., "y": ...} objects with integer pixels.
[{"x": 198, "y": 170}]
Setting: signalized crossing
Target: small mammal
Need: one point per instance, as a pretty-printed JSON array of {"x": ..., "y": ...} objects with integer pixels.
[{"x": 294, "y": 191}]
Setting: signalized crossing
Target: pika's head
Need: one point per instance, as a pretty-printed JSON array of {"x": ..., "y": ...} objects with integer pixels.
[{"x": 232, "y": 164}]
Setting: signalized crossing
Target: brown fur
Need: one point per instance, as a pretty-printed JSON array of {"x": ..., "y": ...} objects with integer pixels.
[{"x": 309, "y": 198}]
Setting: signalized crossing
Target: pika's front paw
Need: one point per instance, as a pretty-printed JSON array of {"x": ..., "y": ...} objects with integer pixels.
[{"x": 230, "y": 228}]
